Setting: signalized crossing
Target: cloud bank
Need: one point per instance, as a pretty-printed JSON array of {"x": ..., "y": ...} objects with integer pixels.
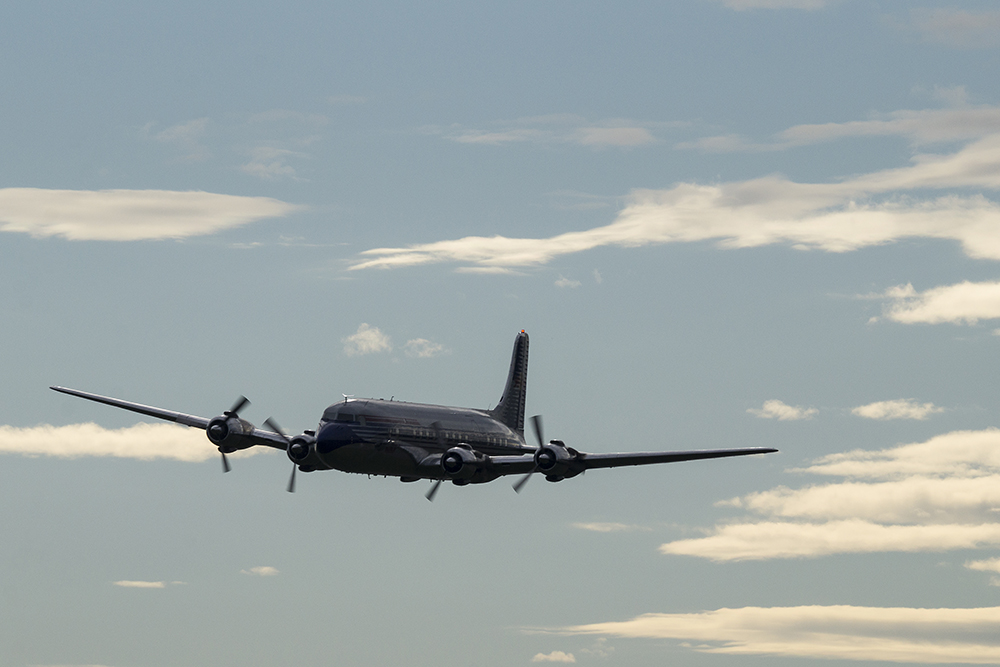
[
  {"x": 145, "y": 442},
  {"x": 129, "y": 215},
  {"x": 933, "y": 496},
  {"x": 864, "y": 211},
  {"x": 891, "y": 634}
]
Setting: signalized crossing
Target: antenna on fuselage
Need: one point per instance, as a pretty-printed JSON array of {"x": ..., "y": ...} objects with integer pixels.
[{"x": 346, "y": 396}]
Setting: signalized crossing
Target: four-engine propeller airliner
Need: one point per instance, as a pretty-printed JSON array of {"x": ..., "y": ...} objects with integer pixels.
[{"x": 414, "y": 441}]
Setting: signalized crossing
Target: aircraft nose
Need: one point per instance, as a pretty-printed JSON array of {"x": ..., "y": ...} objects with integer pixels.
[{"x": 332, "y": 436}]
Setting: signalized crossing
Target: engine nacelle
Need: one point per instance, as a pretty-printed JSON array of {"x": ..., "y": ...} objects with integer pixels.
[
  {"x": 230, "y": 433},
  {"x": 555, "y": 461},
  {"x": 459, "y": 463},
  {"x": 301, "y": 447}
]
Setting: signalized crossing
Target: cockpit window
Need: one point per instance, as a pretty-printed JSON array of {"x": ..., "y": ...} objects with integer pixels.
[{"x": 346, "y": 417}]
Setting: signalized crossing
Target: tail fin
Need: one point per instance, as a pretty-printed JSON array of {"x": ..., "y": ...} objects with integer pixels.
[{"x": 510, "y": 409}]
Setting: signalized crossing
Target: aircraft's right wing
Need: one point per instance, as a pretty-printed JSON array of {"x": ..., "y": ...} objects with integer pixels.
[{"x": 242, "y": 433}]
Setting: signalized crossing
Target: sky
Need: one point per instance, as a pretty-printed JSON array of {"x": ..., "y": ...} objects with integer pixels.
[{"x": 723, "y": 223}]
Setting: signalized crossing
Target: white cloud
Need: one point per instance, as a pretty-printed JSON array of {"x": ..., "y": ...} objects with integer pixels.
[
  {"x": 963, "y": 454},
  {"x": 962, "y": 303},
  {"x": 938, "y": 495},
  {"x": 140, "y": 584},
  {"x": 778, "y": 539},
  {"x": 145, "y": 442},
  {"x": 262, "y": 571},
  {"x": 891, "y": 634},
  {"x": 833, "y": 217},
  {"x": 902, "y": 408},
  {"x": 555, "y": 656},
  {"x": 129, "y": 215},
  {"x": 959, "y": 28},
  {"x": 775, "y": 409},
  {"x": 989, "y": 565},
  {"x": 608, "y": 527},
  {"x": 913, "y": 499},
  {"x": 366, "y": 340},
  {"x": 422, "y": 348}
]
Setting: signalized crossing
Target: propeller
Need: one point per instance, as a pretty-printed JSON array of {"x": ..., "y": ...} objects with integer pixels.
[
  {"x": 536, "y": 422},
  {"x": 273, "y": 425},
  {"x": 234, "y": 411},
  {"x": 443, "y": 444}
]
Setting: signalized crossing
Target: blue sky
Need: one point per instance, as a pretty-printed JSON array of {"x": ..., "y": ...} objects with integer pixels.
[{"x": 722, "y": 223}]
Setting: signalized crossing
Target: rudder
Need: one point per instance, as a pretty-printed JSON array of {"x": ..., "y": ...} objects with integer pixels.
[{"x": 510, "y": 409}]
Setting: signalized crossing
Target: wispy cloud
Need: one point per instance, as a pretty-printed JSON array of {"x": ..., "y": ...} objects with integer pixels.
[
  {"x": 129, "y": 215},
  {"x": 261, "y": 571},
  {"x": 555, "y": 656},
  {"x": 775, "y": 409},
  {"x": 962, "y": 303},
  {"x": 958, "y": 28},
  {"x": 567, "y": 282},
  {"x": 960, "y": 122},
  {"x": 271, "y": 163},
  {"x": 557, "y": 129},
  {"x": 423, "y": 348},
  {"x": 145, "y": 442},
  {"x": 891, "y": 634},
  {"x": 366, "y": 340},
  {"x": 902, "y": 408},
  {"x": 868, "y": 210},
  {"x": 938, "y": 495},
  {"x": 186, "y": 136},
  {"x": 609, "y": 527}
]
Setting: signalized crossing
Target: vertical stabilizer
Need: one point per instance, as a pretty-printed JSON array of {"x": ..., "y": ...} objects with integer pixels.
[{"x": 510, "y": 409}]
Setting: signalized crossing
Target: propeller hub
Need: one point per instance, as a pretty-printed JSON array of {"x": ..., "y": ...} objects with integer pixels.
[{"x": 218, "y": 430}]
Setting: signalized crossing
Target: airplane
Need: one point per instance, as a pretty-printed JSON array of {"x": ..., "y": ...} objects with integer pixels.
[{"x": 413, "y": 441}]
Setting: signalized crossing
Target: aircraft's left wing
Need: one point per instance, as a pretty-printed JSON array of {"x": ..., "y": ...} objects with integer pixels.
[
  {"x": 646, "y": 458},
  {"x": 560, "y": 461}
]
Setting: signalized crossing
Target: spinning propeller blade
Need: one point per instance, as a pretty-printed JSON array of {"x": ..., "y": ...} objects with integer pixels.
[
  {"x": 234, "y": 411},
  {"x": 273, "y": 425},
  {"x": 443, "y": 444},
  {"x": 536, "y": 422},
  {"x": 240, "y": 403}
]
